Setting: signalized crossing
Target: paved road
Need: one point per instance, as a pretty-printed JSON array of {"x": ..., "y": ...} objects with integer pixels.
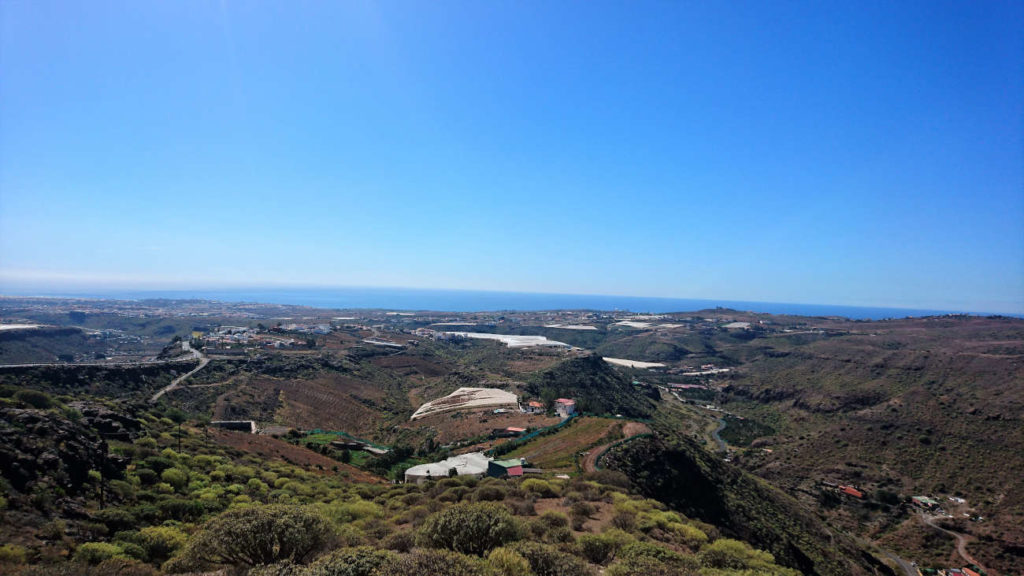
[
  {"x": 130, "y": 364},
  {"x": 961, "y": 541},
  {"x": 722, "y": 447},
  {"x": 203, "y": 361},
  {"x": 907, "y": 567}
]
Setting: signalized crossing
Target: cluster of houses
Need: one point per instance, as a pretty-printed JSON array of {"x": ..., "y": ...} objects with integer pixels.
[
  {"x": 233, "y": 340},
  {"x": 304, "y": 328},
  {"x": 564, "y": 407}
]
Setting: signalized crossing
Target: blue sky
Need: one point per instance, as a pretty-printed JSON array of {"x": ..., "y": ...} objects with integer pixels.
[{"x": 867, "y": 153}]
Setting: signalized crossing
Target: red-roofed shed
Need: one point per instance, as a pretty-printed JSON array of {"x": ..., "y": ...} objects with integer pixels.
[{"x": 851, "y": 491}]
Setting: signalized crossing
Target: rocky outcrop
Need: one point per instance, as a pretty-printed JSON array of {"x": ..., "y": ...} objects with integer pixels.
[{"x": 41, "y": 448}]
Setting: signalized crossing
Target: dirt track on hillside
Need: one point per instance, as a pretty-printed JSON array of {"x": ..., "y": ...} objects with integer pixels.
[
  {"x": 629, "y": 430},
  {"x": 961, "y": 541}
]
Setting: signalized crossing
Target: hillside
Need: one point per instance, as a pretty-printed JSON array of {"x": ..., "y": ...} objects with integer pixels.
[
  {"x": 596, "y": 387},
  {"x": 928, "y": 406},
  {"x": 102, "y": 487},
  {"x": 692, "y": 481}
]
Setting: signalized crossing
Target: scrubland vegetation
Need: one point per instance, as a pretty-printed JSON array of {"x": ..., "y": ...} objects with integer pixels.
[{"x": 162, "y": 509}]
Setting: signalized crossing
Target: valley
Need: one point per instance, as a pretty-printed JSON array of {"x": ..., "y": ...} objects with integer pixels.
[{"x": 833, "y": 423}]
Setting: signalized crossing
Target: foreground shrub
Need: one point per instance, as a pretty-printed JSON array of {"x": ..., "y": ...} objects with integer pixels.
[
  {"x": 508, "y": 562},
  {"x": 435, "y": 563},
  {"x": 257, "y": 535},
  {"x": 399, "y": 541},
  {"x": 96, "y": 552},
  {"x": 648, "y": 566},
  {"x": 34, "y": 398},
  {"x": 285, "y": 568},
  {"x": 161, "y": 542},
  {"x": 546, "y": 560},
  {"x": 539, "y": 487},
  {"x": 362, "y": 561},
  {"x": 602, "y": 548},
  {"x": 734, "y": 555},
  {"x": 470, "y": 528}
]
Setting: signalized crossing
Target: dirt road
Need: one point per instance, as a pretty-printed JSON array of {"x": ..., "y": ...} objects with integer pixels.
[
  {"x": 629, "y": 430},
  {"x": 961, "y": 541}
]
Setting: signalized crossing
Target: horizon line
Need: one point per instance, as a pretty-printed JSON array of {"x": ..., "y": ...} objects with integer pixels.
[{"x": 128, "y": 294}]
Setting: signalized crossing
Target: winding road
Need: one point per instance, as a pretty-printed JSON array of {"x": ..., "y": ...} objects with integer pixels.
[
  {"x": 203, "y": 361},
  {"x": 722, "y": 447},
  {"x": 629, "y": 430},
  {"x": 961, "y": 540}
]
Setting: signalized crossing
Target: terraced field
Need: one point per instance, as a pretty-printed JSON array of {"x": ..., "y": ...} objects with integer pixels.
[{"x": 557, "y": 452}]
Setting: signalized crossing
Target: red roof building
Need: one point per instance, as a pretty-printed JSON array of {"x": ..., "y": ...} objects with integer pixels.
[
  {"x": 851, "y": 491},
  {"x": 565, "y": 407}
]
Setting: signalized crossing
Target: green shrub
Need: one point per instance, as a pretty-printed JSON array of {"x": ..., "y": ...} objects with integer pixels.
[
  {"x": 647, "y": 566},
  {"x": 34, "y": 398},
  {"x": 400, "y": 541},
  {"x": 116, "y": 519},
  {"x": 508, "y": 562},
  {"x": 636, "y": 549},
  {"x": 602, "y": 548},
  {"x": 176, "y": 477},
  {"x": 471, "y": 528},
  {"x": 157, "y": 463},
  {"x": 161, "y": 542},
  {"x": 489, "y": 494},
  {"x": 184, "y": 510},
  {"x": 96, "y": 552},
  {"x": 554, "y": 519},
  {"x": 257, "y": 486},
  {"x": 133, "y": 551},
  {"x": 733, "y": 554},
  {"x": 691, "y": 536},
  {"x": 345, "y": 512},
  {"x": 435, "y": 563},
  {"x": 146, "y": 476},
  {"x": 538, "y": 487},
  {"x": 13, "y": 554},
  {"x": 546, "y": 560},
  {"x": 362, "y": 561},
  {"x": 256, "y": 535}
]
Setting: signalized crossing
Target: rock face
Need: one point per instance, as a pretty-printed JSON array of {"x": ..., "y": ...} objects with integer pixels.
[
  {"x": 107, "y": 422},
  {"x": 40, "y": 448}
]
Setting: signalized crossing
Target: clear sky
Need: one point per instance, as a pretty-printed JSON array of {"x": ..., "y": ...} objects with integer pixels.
[{"x": 863, "y": 153}]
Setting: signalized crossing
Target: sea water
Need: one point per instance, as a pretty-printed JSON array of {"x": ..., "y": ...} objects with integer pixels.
[{"x": 474, "y": 301}]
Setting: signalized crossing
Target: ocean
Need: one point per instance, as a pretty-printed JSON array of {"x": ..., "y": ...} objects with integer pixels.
[{"x": 473, "y": 301}]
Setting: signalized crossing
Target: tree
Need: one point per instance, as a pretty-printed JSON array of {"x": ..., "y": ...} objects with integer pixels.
[
  {"x": 471, "y": 528},
  {"x": 258, "y": 535}
]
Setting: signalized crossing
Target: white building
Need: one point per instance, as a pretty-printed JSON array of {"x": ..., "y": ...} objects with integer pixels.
[{"x": 473, "y": 464}]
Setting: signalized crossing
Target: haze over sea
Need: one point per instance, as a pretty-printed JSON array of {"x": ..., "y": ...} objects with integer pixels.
[{"x": 473, "y": 301}]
